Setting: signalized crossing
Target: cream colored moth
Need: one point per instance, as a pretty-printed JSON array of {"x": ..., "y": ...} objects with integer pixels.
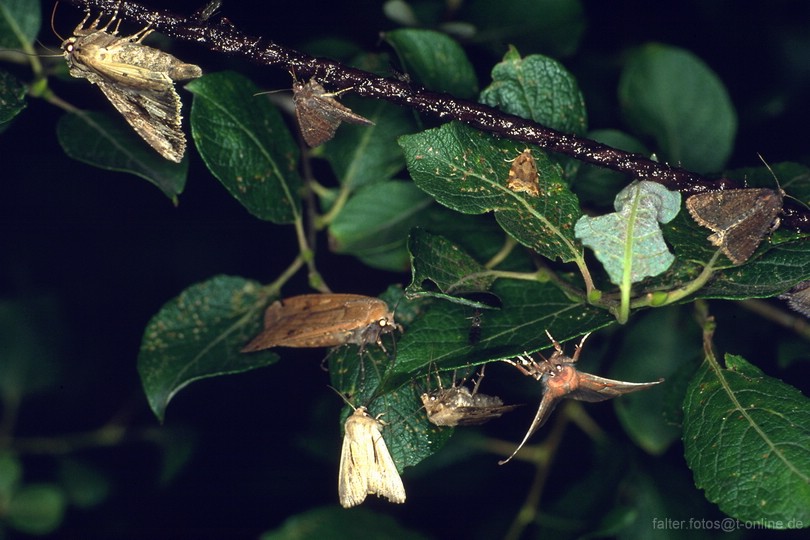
[{"x": 366, "y": 466}]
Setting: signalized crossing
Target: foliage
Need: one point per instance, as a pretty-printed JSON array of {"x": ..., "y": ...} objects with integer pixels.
[{"x": 432, "y": 199}]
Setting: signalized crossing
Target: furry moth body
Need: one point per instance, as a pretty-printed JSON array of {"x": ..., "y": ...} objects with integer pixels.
[
  {"x": 137, "y": 79},
  {"x": 366, "y": 466}
]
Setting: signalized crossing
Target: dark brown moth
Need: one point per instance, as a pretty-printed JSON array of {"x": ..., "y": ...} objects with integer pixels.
[
  {"x": 798, "y": 298},
  {"x": 137, "y": 79},
  {"x": 366, "y": 466},
  {"x": 324, "y": 320},
  {"x": 523, "y": 175},
  {"x": 319, "y": 114},
  {"x": 561, "y": 379},
  {"x": 739, "y": 218},
  {"x": 458, "y": 406}
]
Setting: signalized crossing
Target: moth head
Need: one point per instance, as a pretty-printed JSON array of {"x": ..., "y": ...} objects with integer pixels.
[{"x": 69, "y": 45}]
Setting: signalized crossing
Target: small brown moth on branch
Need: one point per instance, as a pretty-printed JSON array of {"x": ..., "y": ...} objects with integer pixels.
[
  {"x": 324, "y": 320},
  {"x": 561, "y": 379},
  {"x": 319, "y": 114},
  {"x": 739, "y": 218},
  {"x": 457, "y": 406},
  {"x": 366, "y": 466},
  {"x": 137, "y": 79},
  {"x": 523, "y": 175}
]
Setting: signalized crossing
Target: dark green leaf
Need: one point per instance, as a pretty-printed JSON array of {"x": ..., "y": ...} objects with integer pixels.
[
  {"x": 671, "y": 95},
  {"x": 199, "y": 335},
  {"x": 596, "y": 185},
  {"x": 441, "y": 334},
  {"x": 537, "y": 88},
  {"x": 338, "y": 524},
  {"x": 367, "y": 154},
  {"x": 85, "y": 485},
  {"x": 629, "y": 242},
  {"x": 30, "y": 334},
  {"x": 10, "y": 474},
  {"x": 375, "y": 222},
  {"x": 245, "y": 143},
  {"x": 109, "y": 143},
  {"x": 747, "y": 440},
  {"x": 19, "y": 22},
  {"x": 12, "y": 96},
  {"x": 439, "y": 261},
  {"x": 648, "y": 354},
  {"x": 36, "y": 509},
  {"x": 434, "y": 60},
  {"x": 555, "y": 26},
  {"x": 466, "y": 170}
]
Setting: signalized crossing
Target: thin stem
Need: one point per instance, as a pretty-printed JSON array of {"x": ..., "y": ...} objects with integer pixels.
[{"x": 507, "y": 248}]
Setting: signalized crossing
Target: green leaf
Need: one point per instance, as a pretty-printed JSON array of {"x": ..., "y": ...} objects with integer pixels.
[
  {"x": 369, "y": 380},
  {"x": 12, "y": 96},
  {"x": 596, "y": 185},
  {"x": 466, "y": 170},
  {"x": 642, "y": 413},
  {"x": 84, "y": 484},
  {"x": 198, "y": 335},
  {"x": 10, "y": 475},
  {"x": 439, "y": 261},
  {"x": 19, "y": 22},
  {"x": 375, "y": 222},
  {"x": 364, "y": 155},
  {"x": 435, "y": 60},
  {"x": 441, "y": 334},
  {"x": 108, "y": 142},
  {"x": 537, "y": 88},
  {"x": 37, "y": 509},
  {"x": 671, "y": 95},
  {"x": 553, "y": 26},
  {"x": 747, "y": 440},
  {"x": 338, "y": 524},
  {"x": 245, "y": 143},
  {"x": 30, "y": 335},
  {"x": 629, "y": 242}
]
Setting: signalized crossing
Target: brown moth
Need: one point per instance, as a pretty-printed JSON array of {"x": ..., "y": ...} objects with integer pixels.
[
  {"x": 523, "y": 175},
  {"x": 319, "y": 114},
  {"x": 561, "y": 379},
  {"x": 798, "y": 298},
  {"x": 366, "y": 466},
  {"x": 137, "y": 79},
  {"x": 740, "y": 218},
  {"x": 324, "y": 320},
  {"x": 457, "y": 406}
]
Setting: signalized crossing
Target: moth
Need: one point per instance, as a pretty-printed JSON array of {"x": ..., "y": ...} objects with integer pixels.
[
  {"x": 458, "y": 406},
  {"x": 523, "y": 175},
  {"x": 798, "y": 298},
  {"x": 561, "y": 379},
  {"x": 324, "y": 320},
  {"x": 137, "y": 79},
  {"x": 474, "y": 335},
  {"x": 366, "y": 466},
  {"x": 319, "y": 114},
  {"x": 739, "y": 218}
]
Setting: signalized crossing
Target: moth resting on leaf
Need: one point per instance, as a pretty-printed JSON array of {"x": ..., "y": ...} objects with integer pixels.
[
  {"x": 137, "y": 79},
  {"x": 366, "y": 466},
  {"x": 458, "y": 406},
  {"x": 561, "y": 379}
]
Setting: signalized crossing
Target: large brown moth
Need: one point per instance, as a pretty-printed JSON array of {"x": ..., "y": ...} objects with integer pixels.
[
  {"x": 561, "y": 379},
  {"x": 324, "y": 320},
  {"x": 319, "y": 114},
  {"x": 458, "y": 406},
  {"x": 366, "y": 466},
  {"x": 137, "y": 79}
]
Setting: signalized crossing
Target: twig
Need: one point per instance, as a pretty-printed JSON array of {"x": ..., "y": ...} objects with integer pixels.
[{"x": 221, "y": 36}]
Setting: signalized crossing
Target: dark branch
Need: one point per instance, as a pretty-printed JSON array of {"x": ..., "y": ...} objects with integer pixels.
[{"x": 219, "y": 35}]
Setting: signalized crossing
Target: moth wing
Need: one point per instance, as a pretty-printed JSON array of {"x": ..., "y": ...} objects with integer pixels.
[
  {"x": 153, "y": 114},
  {"x": 741, "y": 242},
  {"x": 356, "y": 459},
  {"x": 316, "y": 128},
  {"x": 593, "y": 388},
  {"x": 547, "y": 405},
  {"x": 385, "y": 480},
  {"x": 335, "y": 110},
  {"x": 475, "y": 416}
]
